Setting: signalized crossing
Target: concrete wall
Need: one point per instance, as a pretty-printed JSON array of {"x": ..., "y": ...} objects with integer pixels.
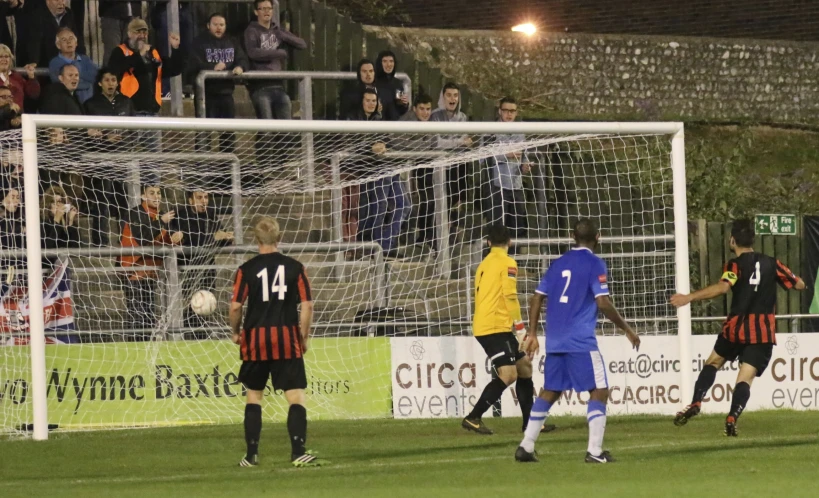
[{"x": 630, "y": 77}]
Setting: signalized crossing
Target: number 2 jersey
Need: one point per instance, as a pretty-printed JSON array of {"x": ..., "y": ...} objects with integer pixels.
[
  {"x": 753, "y": 278},
  {"x": 572, "y": 283},
  {"x": 273, "y": 286}
]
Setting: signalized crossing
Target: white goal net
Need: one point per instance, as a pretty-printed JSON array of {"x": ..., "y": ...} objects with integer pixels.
[{"x": 387, "y": 218}]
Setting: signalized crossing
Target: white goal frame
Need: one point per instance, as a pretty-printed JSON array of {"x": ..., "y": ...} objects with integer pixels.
[{"x": 31, "y": 122}]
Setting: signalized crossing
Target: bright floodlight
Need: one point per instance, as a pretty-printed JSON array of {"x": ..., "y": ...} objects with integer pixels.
[{"x": 529, "y": 29}]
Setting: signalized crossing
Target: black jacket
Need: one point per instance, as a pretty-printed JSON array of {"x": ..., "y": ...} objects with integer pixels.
[
  {"x": 352, "y": 95},
  {"x": 388, "y": 85},
  {"x": 58, "y": 100},
  {"x": 11, "y": 230},
  {"x": 117, "y": 9},
  {"x": 6, "y": 115},
  {"x": 58, "y": 236},
  {"x": 363, "y": 161},
  {"x": 11, "y": 237},
  {"x": 99, "y": 105},
  {"x": 207, "y": 51},
  {"x": 5, "y": 34},
  {"x": 41, "y": 33},
  {"x": 199, "y": 230}
]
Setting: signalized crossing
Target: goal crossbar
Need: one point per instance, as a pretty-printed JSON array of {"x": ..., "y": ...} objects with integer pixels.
[{"x": 309, "y": 126}]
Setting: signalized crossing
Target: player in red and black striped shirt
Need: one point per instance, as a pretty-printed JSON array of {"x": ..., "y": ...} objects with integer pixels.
[
  {"x": 749, "y": 332},
  {"x": 273, "y": 338}
]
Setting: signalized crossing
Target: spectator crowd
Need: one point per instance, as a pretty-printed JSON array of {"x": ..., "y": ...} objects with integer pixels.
[{"x": 131, "y": 79}]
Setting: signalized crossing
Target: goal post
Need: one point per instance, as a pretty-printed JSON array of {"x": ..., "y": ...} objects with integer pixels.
[
  {"x": 318, "y": 178},
  {"x": 683, "y": 275}
]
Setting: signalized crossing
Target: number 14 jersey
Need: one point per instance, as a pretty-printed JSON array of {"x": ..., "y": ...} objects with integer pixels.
[
  {"x": 273, "y": 285},
  {"x": 572, "y": 283}
]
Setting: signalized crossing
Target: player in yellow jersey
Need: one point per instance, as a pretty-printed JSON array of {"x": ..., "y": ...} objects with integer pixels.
[{"x": 497, "y": 314}]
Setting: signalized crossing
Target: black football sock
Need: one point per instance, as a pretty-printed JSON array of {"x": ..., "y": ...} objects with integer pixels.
[
  {"x": 297, "y": 428},
  {"x": 704, "y": 382},
  {"x": 490, "y": 395},
  {"x": 525, "y": 390},
  {"x": 253, "y": 428},
  {"x": 742, "y": 392}
]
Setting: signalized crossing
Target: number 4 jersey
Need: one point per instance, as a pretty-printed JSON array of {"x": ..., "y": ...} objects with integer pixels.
[
  {"x": 753, "y": 278},
  {"x": 273, "y": 286},
  {"x": 572, "y": 283}
]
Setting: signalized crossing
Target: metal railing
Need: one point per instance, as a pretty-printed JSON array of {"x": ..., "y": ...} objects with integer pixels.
[
  {"x": 39, "y": 71},
  {"x": 379, "y": 295},
  {"x": 133, "y": 182},
  {"x": 173, "y": 284},
  {"x": 305, "y": 79}
]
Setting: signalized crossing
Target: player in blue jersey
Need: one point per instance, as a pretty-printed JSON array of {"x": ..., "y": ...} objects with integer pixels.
[{"x": 576, "y": 286}]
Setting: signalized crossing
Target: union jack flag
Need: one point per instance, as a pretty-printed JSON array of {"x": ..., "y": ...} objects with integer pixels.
[{"x": 58, "y": 308}]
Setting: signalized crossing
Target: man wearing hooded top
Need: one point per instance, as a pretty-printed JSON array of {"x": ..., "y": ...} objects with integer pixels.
[
  {"x": 390, "y": 89},
  {"x": 449, "y": 111},
  {"x": 382, "y": 206},
  {"x": 351, "y": 97}
]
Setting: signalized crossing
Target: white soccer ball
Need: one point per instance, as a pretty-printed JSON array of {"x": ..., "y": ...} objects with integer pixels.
[{"x": 203, "y": 303}]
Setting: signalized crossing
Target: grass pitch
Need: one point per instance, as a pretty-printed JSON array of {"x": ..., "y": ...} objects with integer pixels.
[{"x": 774, "y": 455}]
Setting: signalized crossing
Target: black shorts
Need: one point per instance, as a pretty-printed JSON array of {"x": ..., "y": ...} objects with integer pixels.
[
  {"x": 285, "y": 374},
  {"x": 756, "y": 355},
  {"x": 501, "y": 348}
]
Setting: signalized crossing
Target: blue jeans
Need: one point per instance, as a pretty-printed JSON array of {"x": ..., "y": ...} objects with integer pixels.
[
  {"x": 372, "y": 210},
  {"x": 398, "y": 210},
  {"x": 271, "y": 102},
  {"x": 383, "y": 208}
]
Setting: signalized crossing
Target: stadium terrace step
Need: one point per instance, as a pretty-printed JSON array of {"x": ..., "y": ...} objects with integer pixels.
[
  {"x": 426, "y": 289},
  {"x": 410, "y": 270},
  {"x": 442, "y": 308},
  {"x": 343, "y": 293},
  {"x": 337, "y": 271},
  {"x": 103, "y": 300},
  {"x": 334, "y": 311},
  {"x": 88, "y": 284},
  {"x": 93, "y": 319}
]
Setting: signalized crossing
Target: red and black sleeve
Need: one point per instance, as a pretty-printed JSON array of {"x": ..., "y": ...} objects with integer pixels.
[
  {"x": 304, "y": 286},
  {"x": 239, "y": 288},
  {"x": 785, "y": 276},
  {"x": 730, "y": 273}
]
